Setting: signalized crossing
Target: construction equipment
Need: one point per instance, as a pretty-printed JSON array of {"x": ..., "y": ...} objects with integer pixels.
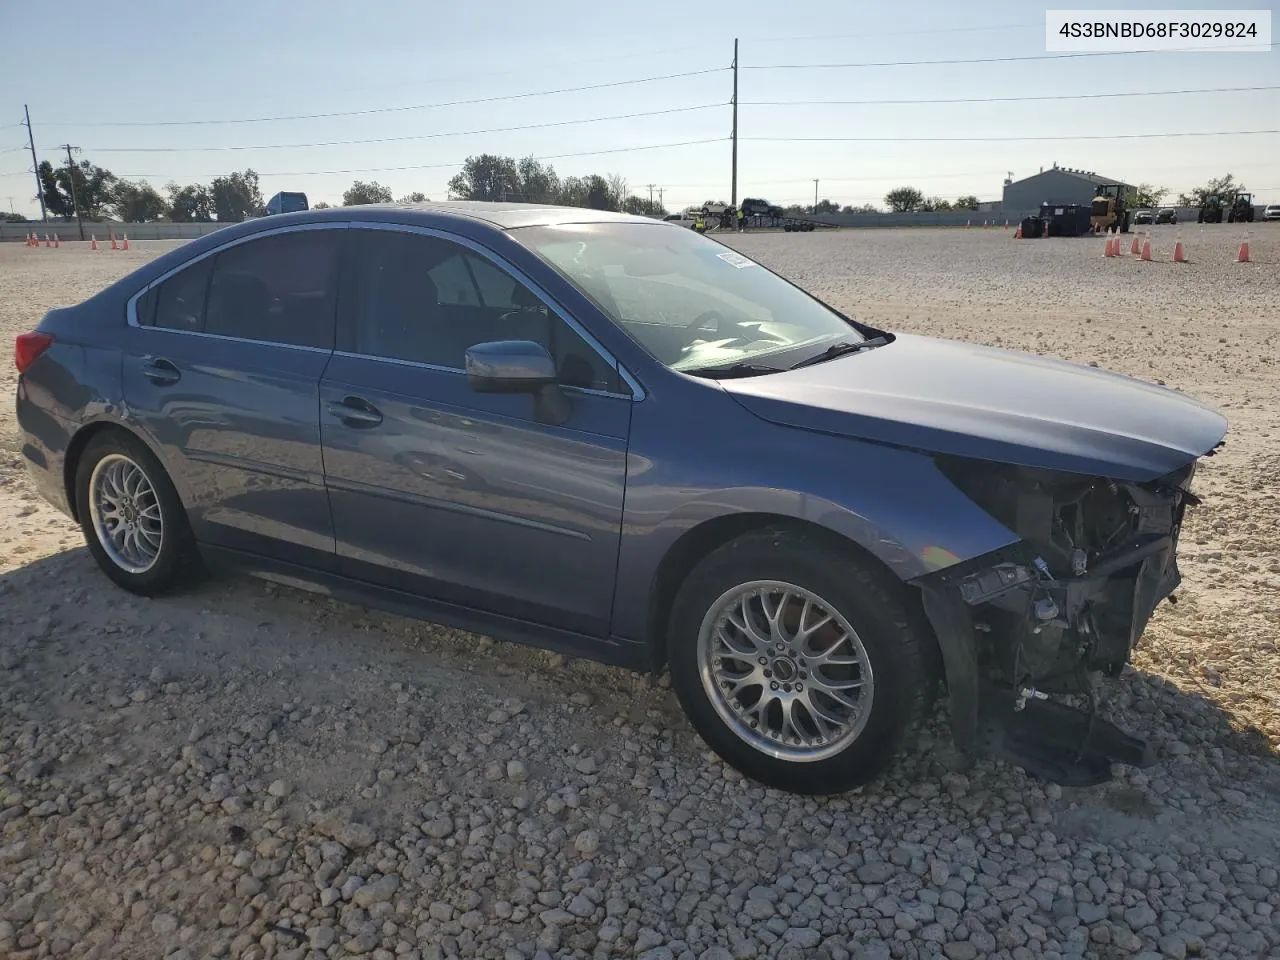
[
  {"x": 1210, "y": 210},
  {"x": 1110, "y": 208},
  {"x": 1241, "y": 209}
]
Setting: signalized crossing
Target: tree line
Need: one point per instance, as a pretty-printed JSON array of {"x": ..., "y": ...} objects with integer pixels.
[
  {"x": 236, "y": 196},
  {"x": 100, "y": 194},
  {"x": 506, "y": 179}
]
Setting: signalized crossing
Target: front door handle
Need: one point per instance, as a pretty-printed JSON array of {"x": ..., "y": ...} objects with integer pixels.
[
  {"x": 356, "y": 412},
  {"x": 161, "y": 371}
]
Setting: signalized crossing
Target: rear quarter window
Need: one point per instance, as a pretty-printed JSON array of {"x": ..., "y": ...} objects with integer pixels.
[
  {"x": 180, "y": 300},
  {"x": 144, "y": 309}
]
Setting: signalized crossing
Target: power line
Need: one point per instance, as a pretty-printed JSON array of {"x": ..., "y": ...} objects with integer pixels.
[
  {"x": 377, "y": 110},
  {"x": 1066, "y": 96},
  {"x": 419, "y": 136},
  {"x": 435, "y": 166},
  {"x": 936, "y": 63},
  {"x": 1098, "y": 136}
]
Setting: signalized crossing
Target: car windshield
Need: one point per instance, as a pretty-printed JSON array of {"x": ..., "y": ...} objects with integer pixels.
[{"x": 689, "y": 301}]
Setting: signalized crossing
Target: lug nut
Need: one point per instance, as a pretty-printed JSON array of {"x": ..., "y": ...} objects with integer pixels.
[
  {"x": 763, "y": 662},
  {"x": 768, "y": 674},
  {"x": 773, "y": 685}
]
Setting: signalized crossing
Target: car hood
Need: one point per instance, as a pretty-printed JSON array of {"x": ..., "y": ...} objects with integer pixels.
[{"x": 948, "y": 397}]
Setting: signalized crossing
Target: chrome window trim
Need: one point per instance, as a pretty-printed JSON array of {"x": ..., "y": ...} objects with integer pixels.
[
  {"x": 459, "y": 371},
  {"x": 637, "y": 391},
  {"x": 131, "y": 307}
]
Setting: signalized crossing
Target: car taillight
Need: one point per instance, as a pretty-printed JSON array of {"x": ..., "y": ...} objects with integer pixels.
[{"x": 29, "y": 347}]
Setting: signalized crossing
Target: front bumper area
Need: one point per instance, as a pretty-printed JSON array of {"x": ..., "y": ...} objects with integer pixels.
[{"x": 1016, "y": 629}]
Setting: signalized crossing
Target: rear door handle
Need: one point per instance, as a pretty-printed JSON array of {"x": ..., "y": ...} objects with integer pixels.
[
  {"x": 160, "y": 371},
  {"x": 356, "y": 412}
]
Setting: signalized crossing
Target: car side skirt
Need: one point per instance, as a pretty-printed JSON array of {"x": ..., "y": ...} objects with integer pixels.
[{"x": 613, "y": 651}]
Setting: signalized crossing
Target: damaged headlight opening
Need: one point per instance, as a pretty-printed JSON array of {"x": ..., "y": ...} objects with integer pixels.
[{"x": 1049, "y": 613}]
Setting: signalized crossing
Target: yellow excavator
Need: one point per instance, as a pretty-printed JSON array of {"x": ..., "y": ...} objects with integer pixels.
[{"x": 1110, "y": 208}]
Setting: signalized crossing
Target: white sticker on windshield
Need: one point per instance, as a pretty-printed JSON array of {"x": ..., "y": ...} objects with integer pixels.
[{"x": 736, "y": 260}]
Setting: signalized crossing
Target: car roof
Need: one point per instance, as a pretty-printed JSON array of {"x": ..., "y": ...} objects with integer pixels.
[{"x": 505, "y": 216}]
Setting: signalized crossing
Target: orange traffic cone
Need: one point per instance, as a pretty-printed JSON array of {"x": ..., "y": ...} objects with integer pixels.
[
  {"x": 125, "y": 244},
  {"x": 984, "y": 224},
  {"x": 1146, "y": 249},
  {"x": 1006, "y": 224},
  {"x": 1179, "y": 255},
  {"x": 968, "y": 224},
  {"x": 1243, "y": 255},
  {"x": 1109, "y": 249},
  {"x": 30, "y": 239},
  {"x": 1134, "y": 249},
  {"x": 114, "y": 245},
  {"x": 56, "y": 242},
  {"x": 93, "y": 242},
  {"x": 46, "y": 241},
  {"x": 1017, "y": 234}
]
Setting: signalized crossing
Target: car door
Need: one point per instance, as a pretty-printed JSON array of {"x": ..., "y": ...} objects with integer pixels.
[
  {"x": 222, "y": 370},
  {"x": 455, "y": 495}
]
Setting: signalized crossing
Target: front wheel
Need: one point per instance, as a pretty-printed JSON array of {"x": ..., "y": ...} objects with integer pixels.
[{"x": 801, "y": 666}]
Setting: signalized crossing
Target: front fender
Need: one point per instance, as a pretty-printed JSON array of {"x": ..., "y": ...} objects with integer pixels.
[{"x": 893, "y": 503}]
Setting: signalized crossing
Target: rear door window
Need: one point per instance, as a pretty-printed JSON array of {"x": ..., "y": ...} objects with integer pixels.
[{"x": 278, "y": 289}]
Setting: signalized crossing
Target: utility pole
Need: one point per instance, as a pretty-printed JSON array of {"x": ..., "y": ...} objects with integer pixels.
[
  {"x": 71, "y": 179},
  {"x": 815, "y": 195},
  {"x": 35, "y": 164},
  {"x": 660, "y": 201},
  {"x": 733, "y": 191},
  {"x": 650, "y": 186}
]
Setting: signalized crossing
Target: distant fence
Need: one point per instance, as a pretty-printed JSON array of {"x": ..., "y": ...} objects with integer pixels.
[
  {"x": 189, "y": 231},
  {"x": 958, "y": 218},
  {"x": 103, "y": 231}
]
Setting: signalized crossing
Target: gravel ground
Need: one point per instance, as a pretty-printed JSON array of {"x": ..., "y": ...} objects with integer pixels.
[{"x": 248, "y": 771}]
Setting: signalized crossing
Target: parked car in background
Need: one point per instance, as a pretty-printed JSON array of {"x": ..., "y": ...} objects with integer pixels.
[
  {"x": 1144, "y": 216},
  {"x": 611, "y": 437},
  {"x": 1167, "y": 215},
  {"x": 1271, "y": 212}
]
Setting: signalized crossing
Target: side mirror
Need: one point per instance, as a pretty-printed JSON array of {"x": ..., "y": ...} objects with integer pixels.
[
  {"x": 518, "y": 366},
  {"x": 509, "y": 366}
]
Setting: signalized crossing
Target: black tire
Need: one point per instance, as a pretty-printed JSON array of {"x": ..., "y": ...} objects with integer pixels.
[
  {"x": 898, "y": 644},
  {"x": 176, "y": 561}
]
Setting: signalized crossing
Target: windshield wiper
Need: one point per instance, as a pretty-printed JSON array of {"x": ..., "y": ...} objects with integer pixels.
[
  {"x": 732, "y": 370},
  {"x": 840, "y": 349}
]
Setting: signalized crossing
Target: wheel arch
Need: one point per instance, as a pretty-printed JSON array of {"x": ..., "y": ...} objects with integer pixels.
[
  {"x": 700, "y": 541},
  {"x": 75, "y": 450}
]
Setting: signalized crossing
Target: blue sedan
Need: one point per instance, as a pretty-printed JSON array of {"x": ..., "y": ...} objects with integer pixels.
[{"x": 619, "y": 439}]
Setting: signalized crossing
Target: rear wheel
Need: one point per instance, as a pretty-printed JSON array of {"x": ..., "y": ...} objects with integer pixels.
[
  {"x": 133, "y": 521},
  {"x": 800, "y": 666}
]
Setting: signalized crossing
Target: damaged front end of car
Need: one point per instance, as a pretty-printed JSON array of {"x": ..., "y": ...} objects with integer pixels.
[{"x": 1052, "y": 613}]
